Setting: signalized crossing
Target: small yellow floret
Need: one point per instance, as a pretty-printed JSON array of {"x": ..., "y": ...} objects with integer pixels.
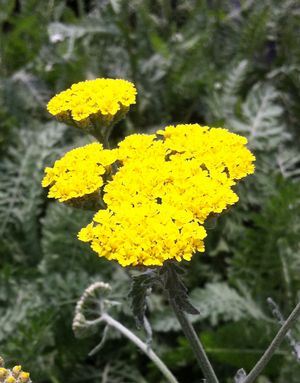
[{"x": 10, "y": 379}]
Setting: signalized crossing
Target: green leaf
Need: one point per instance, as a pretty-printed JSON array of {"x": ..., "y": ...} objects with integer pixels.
[
  {"x": 176, "y": 289},
  {"x": 21, "y": 194},
  {"x": 219, "y": 302},
  {"x": 261, "y": 119},
  {"x": 141, "y": 284}
]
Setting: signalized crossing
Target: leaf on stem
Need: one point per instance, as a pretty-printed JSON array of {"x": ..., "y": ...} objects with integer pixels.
[
  {"x": 141, "y": 284},
  {"x": 177, "y": 289}
]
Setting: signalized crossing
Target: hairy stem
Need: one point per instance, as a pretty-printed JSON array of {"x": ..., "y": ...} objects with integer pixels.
[
  {"x": 261, "y": 364},
  {"x": 141, "y": 345},
  {"x": 196, "y": 345}
]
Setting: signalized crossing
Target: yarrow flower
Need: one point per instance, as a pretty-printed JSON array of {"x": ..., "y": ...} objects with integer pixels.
[
  {"x": 165, "y": 187},
  {"x": 14, "y": 375},
  {"x": 80, "y": 172},
  {"x": 99, "y": 102}
]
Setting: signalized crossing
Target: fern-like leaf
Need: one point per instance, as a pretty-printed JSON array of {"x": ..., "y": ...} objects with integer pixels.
[
  {"x": 216, "y": 302},
  {"x": 261, "y": 118},
  {"x": 289, "y": 163},
  {"x": 20, "y": 177},
  {"x": 224, "y": 101}
]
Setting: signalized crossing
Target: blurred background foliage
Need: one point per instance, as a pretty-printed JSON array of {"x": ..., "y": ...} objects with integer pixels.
[{"x": 222, "y": 63}]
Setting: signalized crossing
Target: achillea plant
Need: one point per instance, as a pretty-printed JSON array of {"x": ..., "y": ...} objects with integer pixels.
[{"x": 151, "y": 196}]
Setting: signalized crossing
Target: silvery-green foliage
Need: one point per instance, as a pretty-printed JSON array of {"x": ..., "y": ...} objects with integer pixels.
[
  {"x": 261, "y": 119},
  {"x": 220, "y": 302},
  {"x": 288, "y": 161},
  {"x": 216, "y": 302},
  {"x": 21, "y": 173},
  {"x": 226, "y": 94}
]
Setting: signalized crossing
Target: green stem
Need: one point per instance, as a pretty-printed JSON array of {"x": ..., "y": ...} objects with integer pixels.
[
  {"x": 141, "y": 345},
  {"x": 106, "y": 143},
  {"x": 261, "y": 364},
  {"x": 107, "y": 135},
  {"x": 196, "y": 345}
]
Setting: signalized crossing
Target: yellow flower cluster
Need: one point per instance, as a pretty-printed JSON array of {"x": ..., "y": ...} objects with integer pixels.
[
  {"x": 166, "y": 186},
  {"x": 80, "y": 172},
  {"x": 14, "y": 375},
  {"x": 99, "y": 101},
  {"x": 144, "y": 235}
]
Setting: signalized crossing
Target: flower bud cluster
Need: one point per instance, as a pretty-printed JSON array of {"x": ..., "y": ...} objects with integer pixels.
[
  {"x": 14, "y": 375},
  {"x": 98, "y": 290}
]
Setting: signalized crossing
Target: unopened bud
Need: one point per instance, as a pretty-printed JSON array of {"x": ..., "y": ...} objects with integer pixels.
[
  {"x": 3, "y": 373},
  {"x": 24, "y": 377},
  {"x": 16, "y": 371}
]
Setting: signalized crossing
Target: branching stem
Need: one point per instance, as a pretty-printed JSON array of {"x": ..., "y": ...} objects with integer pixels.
[
  {"x": 141, "y": 345},
  {"x": 261, "y": 364}
]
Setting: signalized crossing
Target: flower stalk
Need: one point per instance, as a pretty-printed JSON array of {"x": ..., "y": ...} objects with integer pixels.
[
  {"x": 195, "y": 343},
  {"x": 110, "y": 321}
]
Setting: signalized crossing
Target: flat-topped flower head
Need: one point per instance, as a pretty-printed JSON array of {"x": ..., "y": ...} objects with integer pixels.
[
  {"x": 166, "y": 186},
  {"x": 145, "y": 235},
  {"x": 79, "y": 173},
  {"x": 163, "y": 188},
  {"x": 93, "y": 103}
]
